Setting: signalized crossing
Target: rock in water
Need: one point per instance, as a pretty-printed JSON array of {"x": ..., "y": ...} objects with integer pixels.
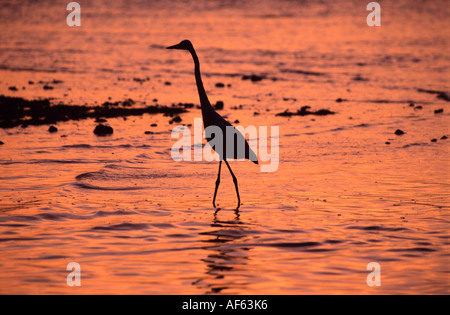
[
  {"x": 219, "y": 105},
  {"x": 177, "y": 119},
  {"x": 399, "y": 132},
  {"x": 1, "y": 142},
  {"x": 52, "y": 129},
  {"x": 102, "y": 130},
  {"x": 253, "y": 77}
]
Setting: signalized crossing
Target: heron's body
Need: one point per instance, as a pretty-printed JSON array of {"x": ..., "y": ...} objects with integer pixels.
[{"x": 212, "y": 118}]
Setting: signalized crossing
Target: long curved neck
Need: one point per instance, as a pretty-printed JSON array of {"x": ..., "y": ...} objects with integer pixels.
[{"x": 204, "y": 101}]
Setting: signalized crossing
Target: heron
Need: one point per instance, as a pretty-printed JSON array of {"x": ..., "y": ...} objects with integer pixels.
[{"x": 212, "y": 118}]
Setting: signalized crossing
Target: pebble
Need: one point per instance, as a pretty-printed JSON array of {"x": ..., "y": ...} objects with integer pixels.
[
  {"x": 102, "y": 130},
  {"x": 177, "y": 119},
  {"x": 219, "y": 105}
]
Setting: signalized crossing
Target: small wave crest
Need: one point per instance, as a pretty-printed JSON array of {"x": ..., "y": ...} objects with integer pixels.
[{"x": 118, "y": 177}]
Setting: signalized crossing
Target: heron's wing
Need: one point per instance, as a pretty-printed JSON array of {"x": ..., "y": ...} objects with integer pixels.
[{"x": 238, "y": 149}]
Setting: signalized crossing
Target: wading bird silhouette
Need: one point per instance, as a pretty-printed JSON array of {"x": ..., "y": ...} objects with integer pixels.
[{"x": 212, "y": 118}]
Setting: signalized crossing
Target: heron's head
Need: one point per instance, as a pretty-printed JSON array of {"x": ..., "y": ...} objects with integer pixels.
[{"x": 184, "y": 45}]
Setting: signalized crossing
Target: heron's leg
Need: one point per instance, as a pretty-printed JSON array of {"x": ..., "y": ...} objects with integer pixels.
[
  {"x": 217, "y": 184},
  {"x": 235, "y": 184}
]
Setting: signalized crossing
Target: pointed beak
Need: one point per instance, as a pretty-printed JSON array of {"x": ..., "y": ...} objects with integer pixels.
[{"x": 174, "y": 47}]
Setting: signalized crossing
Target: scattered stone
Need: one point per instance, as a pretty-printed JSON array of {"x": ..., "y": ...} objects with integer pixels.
[
  {"x": 339, "y": 100},
  {"x": 155, "y": 100},
  {"x": 359, "y": 78},
  {"x": 418, "y": 107},
  {"x": 255, "y": 114},
  {"x": 236, "y": 121},
  {"x": 286, "y": 99},
  {"x": 305, "y": 111},
  {"x": 149, "y": 132},
  {"x": 219, "y": 105},
  {"x": 220, "y": 85},
  {"x": 102, "y": 130},
  {"x": 387, "y": 142},
  {"x": 444, "y": 138},
  {"x": 47, "y": 87},
  {"x": 154, "y": 125},
  {"x": 128, "y": 103},
  {"x": 433, "y": 140},
  {"x": 411, "y": 105},
  {"x": 399, "y": 132},
  {"x": 439, "y": 111},
  {"x": 30, "y": 82},
  {"x": 139, "y": 80},
  {"x": 52, "y": 129},
  {"x": 12, "y": 88},
  {"x": 253, "y": 77},
  {"x": 177, "y": 119},
  {"x": 1, "y": 143},
  {"x": 167, "y": 83}
]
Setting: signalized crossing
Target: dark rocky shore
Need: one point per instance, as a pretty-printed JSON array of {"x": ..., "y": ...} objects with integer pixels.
[{"x": 16, "y": 111}]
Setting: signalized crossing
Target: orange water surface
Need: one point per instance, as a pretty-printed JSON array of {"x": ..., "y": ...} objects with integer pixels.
[{"x": 138, "y": 222}]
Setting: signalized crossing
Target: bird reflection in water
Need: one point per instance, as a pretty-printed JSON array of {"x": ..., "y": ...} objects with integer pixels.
[{"x": 228, "y": 259}]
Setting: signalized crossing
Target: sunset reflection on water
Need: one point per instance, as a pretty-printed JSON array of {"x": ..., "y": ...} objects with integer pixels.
[{"x": 138, "y": 222}]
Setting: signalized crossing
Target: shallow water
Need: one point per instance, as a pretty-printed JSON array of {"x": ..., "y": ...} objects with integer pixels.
[{"x": 138, "y": 222}]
